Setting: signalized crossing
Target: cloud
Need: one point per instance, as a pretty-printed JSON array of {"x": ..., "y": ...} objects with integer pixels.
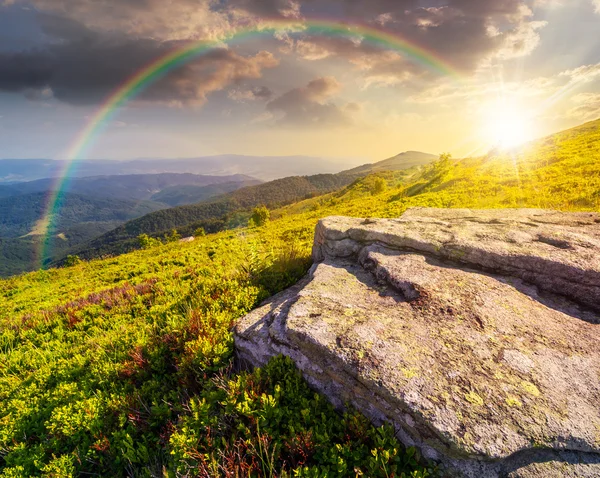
[
  {"x": 520, "y": 41},
  {"x": 213, "y": 71},
  {"x": 375, "y": 66},
  {"x": 156, "y": 19},
  {"x": 92, "y": 46},
  {"x": 310, "y": 105},
  {"x": 588, "y": 107},
  {"x": 24, "y": 71},
  {"x": 265, "y": 8},
  {"x": 463, "y": 32},
  {"x": 466, "y": 34},
  {"x": 584, "y": 73},
  {"x": 261, "y": 93},
  {"x": 477, "y": 91},
  {"x": 81, "y": 67}
]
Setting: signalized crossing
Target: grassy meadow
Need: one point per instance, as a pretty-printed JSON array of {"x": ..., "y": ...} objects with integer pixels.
[{"x": 124, "y": 366}]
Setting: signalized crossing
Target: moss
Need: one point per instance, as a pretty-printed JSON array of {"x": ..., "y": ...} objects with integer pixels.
[
  {"x": 474, "y": 398},
  {"x": 468, "y": 439},
  {"x": 513, "y": 402},
  {"x": 409, "y": 372},
  {"x": 530, "y": 388}
]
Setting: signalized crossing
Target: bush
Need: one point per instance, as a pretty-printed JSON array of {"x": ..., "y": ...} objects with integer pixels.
[
  {"x": 174, "y": 236},
  {"x": 378, "y": 186},
  {"x": 260, "y": 216},
  {"x": 269, "y": 423},
  {"x": 72, "y": 260},
  {"x": 146, "y": 242}
]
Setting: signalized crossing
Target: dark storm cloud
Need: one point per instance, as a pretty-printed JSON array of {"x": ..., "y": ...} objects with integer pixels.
[
  {"x": 80, "y": 66},
  {"x": 310, "y": 105},
  {"x": 94, "y": 46},
  {"x": 463, "y": 32},
  {"x": 158, "y": 19},
  {"x": 23, "y": 71}
]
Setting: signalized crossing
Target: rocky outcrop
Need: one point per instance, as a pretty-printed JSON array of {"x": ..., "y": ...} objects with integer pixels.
[{"x": 476, "y": 333}]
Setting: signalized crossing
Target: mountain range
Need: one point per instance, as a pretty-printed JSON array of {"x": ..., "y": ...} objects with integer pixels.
[
  {"x": 93, "y": 209},
  {"x": 265, "y": 168},
  {"x": 135, "y": 187}
]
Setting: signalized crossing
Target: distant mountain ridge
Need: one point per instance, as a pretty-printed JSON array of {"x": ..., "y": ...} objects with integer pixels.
[
  {"x": 262, "y": 167},
  {"x": 266, "y": 168},
  {"x": 181, "y": 195},
  {"x": 130, "y": 186}
]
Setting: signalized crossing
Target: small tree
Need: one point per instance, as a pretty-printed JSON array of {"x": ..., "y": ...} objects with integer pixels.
[
  {"x": 72, "y": 260},
  {"x": 378, "y": 186},
  {"x": 260, "y": 216},
  {"x": 173, "y": 237},
  {"x": 439, "y": 167},
  {"x": 200, "y": 232},
  {"x": 146, "y": 242},
  {"x": 444, "y": 161}
]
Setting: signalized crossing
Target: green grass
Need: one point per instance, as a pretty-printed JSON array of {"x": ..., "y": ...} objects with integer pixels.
[{"x": 123, "y": 366}]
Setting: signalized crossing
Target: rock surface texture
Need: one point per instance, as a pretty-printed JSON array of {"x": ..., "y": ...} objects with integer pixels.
[{"x": 476, "y": 333}]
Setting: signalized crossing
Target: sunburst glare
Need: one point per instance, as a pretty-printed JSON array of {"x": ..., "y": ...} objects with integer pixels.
[{"x": 506, "y": 126}]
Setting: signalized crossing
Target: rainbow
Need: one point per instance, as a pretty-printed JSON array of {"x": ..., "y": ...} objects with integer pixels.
[{"x": 157, "y": 69}]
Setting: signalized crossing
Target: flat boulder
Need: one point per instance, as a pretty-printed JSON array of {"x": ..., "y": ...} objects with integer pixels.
[{"x": 476, "y": 333}]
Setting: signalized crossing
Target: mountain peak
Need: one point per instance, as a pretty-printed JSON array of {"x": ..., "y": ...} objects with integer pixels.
[{"x": 405, "y": 160}]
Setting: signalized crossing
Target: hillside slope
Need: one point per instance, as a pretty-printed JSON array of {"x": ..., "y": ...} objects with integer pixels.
[
  {"x": 121, "y": 366},
  {"x": 215, "y": 214},
  {"x": 19, "y": 214},
  {"x": 78, "y": 219},
  {"x": 189, "y": 194},
  {"x": 406, "y": 160}
]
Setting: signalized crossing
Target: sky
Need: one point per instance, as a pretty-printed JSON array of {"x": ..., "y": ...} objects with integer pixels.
[{"x": 494, "y": 73}]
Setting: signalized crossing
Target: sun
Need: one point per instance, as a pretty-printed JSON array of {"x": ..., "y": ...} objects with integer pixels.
[{"x": 507, "y": 127}]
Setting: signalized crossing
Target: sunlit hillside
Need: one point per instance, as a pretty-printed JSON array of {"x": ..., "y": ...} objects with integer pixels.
[{"x": 123, "y": 366}]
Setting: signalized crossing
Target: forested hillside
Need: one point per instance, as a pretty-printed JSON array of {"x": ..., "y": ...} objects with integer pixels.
[
  {"x": 20, "y": 214},
  {"x": 78, "y": 219},
  {"x": 90, "y": 207},
  {"x": 124, "y": 366},
  {"x": 190, "y": 194},
  {"x": 226, "y": 211}
]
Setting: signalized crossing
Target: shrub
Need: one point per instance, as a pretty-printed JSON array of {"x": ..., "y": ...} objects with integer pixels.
[
  {"x": 378, "y": 186},
  {"x": 174, "y": 236},
  {"x": 146, "y": 242},
  {"x": 72, "y": 260},
  {"x": 260, "y": 216}
]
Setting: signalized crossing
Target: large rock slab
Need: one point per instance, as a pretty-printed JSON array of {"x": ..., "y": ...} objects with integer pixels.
[{"x": 476, "y": 333}]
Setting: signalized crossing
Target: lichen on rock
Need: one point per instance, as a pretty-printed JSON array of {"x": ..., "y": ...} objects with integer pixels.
[{"x": 474, "y": 332}]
